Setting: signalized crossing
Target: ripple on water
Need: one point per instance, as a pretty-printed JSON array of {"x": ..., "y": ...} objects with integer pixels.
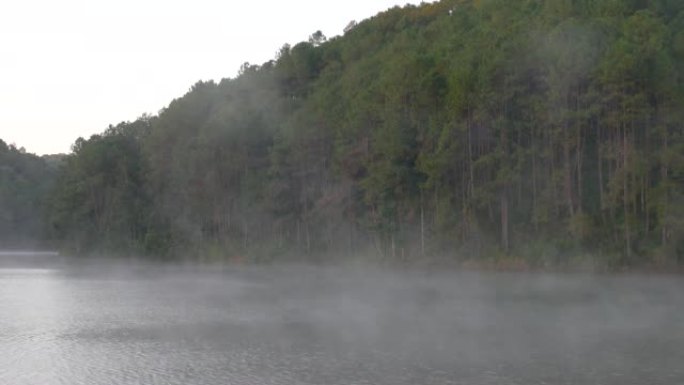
[{"x": 337, "y": 327}]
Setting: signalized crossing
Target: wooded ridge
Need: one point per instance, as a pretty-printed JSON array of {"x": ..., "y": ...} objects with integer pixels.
[{"x": 550, "y": 131}]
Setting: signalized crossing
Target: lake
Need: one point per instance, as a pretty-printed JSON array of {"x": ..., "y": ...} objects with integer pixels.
[{"x": 67, "y": 322}]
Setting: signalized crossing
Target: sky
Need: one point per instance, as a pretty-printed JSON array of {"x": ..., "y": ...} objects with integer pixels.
[{"x": 70, "y": 68}]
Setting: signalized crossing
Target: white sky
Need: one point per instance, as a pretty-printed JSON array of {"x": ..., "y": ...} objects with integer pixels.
[{"x": 69, "y": 68}]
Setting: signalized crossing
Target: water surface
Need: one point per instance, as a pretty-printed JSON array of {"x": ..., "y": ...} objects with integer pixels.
[{"x": 62, "y": 323}]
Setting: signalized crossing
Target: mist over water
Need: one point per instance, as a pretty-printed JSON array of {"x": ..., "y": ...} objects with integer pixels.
[{"x": 66, "y": 323}]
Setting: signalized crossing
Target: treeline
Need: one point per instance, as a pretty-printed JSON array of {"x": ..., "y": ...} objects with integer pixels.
[
  {"x": 548, "y": 130},
  {"x": 25, "y": 184}
]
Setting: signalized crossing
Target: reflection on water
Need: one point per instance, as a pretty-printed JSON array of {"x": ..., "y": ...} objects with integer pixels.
[{"x": 113, "y": 325}]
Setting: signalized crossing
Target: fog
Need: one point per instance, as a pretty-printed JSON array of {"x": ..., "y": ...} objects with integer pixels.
[{"x": 66, "y": 322}]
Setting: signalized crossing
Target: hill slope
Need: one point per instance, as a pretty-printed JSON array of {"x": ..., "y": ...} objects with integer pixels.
[
  {"x": 459, "y": 129},
  {"x": 25, "y": 184}
]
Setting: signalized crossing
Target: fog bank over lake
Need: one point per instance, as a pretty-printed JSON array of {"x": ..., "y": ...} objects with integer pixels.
[{"x": 63, "y": 322}]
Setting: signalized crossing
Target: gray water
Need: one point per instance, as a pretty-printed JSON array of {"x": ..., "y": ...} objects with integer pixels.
[{"x": 106, "y": 324}]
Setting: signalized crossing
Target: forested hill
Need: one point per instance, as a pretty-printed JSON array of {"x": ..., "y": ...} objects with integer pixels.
[
  {"x": 545, "y": 130},
  {"x": 25, "y": 185}
]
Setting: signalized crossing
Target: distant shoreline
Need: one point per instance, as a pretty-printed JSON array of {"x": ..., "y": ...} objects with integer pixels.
[
  {"x": 498, "y": 265},
  {"x": 16, "y": 253}
]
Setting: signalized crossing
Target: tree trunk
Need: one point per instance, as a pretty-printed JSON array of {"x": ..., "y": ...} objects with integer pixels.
[
  {"x": 599, "y": 163},
  {"x": 471, "y": 185},
  {"x": 580, "y": 158},
  {"x": 567, "y": 171},
  {"x": 308, "y": 237},
  {"x": 504, "y": 221},
  {"x": 666, "y": 197},
  {"x": 625, "y": 193},
  {"x": 422, "y": 226},
  {"x": 534, "y": 190},
  {"x": 394, "y": 249}
]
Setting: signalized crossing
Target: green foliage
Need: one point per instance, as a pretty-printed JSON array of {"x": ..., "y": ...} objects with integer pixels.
[
  {"x": 25, "y": 181},
  {"x": 100, "y": 203},
  {"x": 548, "y": 128}
]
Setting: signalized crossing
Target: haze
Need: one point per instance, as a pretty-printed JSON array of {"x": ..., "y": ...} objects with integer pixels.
[
  {"x": 71, "y": 68},
  {"x": 85, "y": 322}
]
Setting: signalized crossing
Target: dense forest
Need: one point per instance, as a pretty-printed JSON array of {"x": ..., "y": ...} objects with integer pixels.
[
  {"x": 26, "y": 181},
  {"x": 550, "y": 132}
]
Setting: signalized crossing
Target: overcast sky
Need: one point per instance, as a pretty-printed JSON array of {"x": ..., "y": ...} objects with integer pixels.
[{"x": 69, "y": 68}]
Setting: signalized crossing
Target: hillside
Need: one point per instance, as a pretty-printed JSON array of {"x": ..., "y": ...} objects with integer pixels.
[
  {"x": 550, "y": 131},
  {"x": 25, "y": 186}
]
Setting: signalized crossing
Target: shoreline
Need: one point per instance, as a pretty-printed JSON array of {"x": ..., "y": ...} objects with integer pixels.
[{"x": 501, "y": 264}]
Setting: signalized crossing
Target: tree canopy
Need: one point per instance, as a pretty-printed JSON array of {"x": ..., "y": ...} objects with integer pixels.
[
  {"x": 25, "y": 184},
  {"x": 462, "y": 129}
]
